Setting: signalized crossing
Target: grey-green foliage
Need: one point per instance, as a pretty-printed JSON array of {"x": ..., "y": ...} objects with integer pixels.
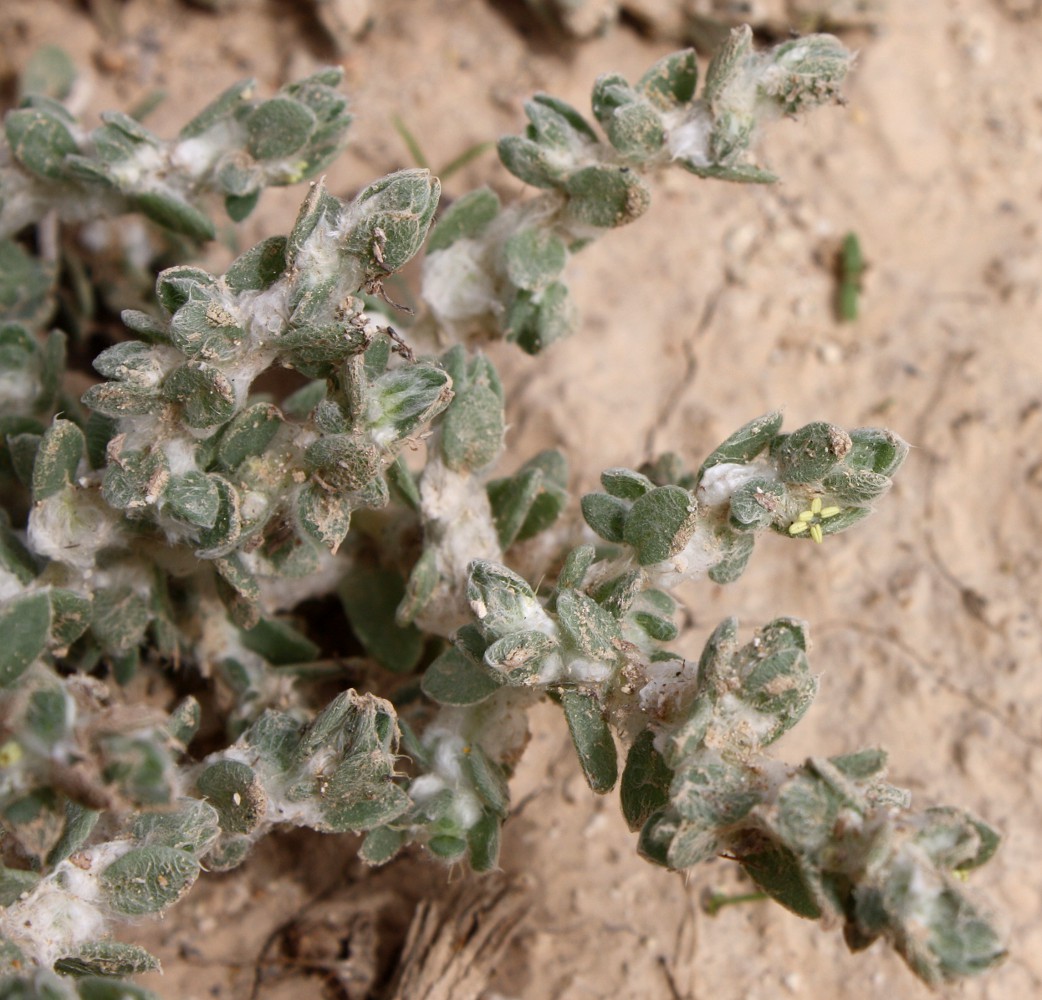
[
  {"x": 225, "y": 474},
  {"x": 334, "y": 774},
  {"x": 830, "y": 839},
  {"x": 235, "y": 147},
  {"x": 44, "y": 985},
  {"x": 500, "y": 269},
  {"x": 758, "y": 478},
  {"x": 49, "y": 164},
  {"x": 151, "y": 863},
  {"x": 174, "y": 514},
  {"x": 706, "y": 22},
  {"x": 230, "y": 489}
]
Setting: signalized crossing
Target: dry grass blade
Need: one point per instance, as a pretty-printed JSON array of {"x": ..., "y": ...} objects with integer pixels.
[{"x": 452, "y": 948}]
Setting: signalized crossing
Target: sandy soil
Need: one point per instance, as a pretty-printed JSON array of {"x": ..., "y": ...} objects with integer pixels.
[{"x": 717, "y": 306}]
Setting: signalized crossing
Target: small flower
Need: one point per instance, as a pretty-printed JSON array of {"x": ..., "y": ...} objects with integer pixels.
[
  {"x": 810, "y": 520},
  {"x": 10, "y": 754}
]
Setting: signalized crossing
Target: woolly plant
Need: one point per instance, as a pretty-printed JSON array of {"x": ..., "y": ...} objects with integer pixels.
[{"x": 172, "y": 522}]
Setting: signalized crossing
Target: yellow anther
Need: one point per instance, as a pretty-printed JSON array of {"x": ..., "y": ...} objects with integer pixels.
[
  {"x": 10, "y": 753},
  {"x": 809, "y": 521}
]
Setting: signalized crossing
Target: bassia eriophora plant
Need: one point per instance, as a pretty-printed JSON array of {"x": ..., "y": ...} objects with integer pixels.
[{"x": 171, "y": 517}]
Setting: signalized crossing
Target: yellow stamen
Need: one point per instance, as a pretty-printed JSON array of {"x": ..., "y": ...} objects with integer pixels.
[
  {"x": 10, "y": 753},
  {"x": 829, "y": 512},
  {"x": 816, "y": 533},
  {"x": 798, "y": 527}
]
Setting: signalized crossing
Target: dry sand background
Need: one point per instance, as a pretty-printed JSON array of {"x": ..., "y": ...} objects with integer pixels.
[{"x": 716, "y": 306}]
